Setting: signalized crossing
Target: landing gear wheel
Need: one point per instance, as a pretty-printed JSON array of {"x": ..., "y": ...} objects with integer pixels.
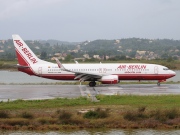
[
  {"x": 92, "y": 84},
  {"x": 158, "y": 84}
]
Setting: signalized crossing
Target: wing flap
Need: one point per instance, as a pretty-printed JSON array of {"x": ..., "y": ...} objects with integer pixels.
[{"x": 82, "y": 76}]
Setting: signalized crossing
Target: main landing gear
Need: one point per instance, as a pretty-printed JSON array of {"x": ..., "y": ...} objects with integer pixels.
[
  {"x": 159, "y": 82},
  {"x": 92, "y": 84}
]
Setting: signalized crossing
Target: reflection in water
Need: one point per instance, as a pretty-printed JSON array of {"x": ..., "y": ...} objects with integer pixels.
[{"x": 108, "y": 132}]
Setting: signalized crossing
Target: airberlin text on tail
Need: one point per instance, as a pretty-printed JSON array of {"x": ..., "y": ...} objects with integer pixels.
[{"x": 26, "y": 52}]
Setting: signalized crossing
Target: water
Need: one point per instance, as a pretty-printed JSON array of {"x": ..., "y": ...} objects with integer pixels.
[
  {"x": 96, "y": 132},
  {"x": 9, "y": 77}
]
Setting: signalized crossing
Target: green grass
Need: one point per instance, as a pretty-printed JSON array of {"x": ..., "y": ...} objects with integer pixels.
[
  {"x": 51, "y": 103},
  {"x": 153, "y": 101}
]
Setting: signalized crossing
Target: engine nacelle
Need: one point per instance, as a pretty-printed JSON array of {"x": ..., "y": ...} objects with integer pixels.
[{"x": 109, "y": 79}]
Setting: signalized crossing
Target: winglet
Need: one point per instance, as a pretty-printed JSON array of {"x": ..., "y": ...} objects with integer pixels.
[
  {"x": 59, "y": 64},
  {"x": 76, "y": 62}
]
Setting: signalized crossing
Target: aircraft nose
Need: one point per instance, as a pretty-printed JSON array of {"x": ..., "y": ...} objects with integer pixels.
[{"x": 172, "y": 73}]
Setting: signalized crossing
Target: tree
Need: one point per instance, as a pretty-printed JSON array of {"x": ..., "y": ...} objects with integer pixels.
[
  {"x": 43, "y": 55},
  {"x": 68, "y": 58},
  {"x": 169, "y": 59},
  {"x": 132, "y": 54},
  {"x": 164, "y": 56}
]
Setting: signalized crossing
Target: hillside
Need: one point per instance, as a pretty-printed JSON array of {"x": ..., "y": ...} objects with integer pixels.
[{"x": 131, "y": 48}]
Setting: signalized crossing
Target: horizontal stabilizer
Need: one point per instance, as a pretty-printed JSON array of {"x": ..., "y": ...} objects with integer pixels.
[{"x": 21, "y": 66}]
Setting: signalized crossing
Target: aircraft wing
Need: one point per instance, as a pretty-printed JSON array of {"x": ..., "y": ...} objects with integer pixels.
[{"x": 82, "y": 76}]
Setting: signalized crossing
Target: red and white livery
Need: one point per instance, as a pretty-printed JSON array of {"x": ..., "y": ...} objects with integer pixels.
[{"x": 110, "y": 73}]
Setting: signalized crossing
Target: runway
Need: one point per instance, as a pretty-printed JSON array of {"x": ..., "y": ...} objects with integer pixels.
[{"x": 34, "y": 92}]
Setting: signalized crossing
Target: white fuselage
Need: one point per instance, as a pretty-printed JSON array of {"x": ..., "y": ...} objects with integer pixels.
[{"x": 124, "y": 71}]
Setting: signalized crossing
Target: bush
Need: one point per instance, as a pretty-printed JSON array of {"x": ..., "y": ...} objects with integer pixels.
[
  {"x": 157, "y": 114},
  {"x": 17, "y": 121},
  {"x": 164, "y": 115},
  {"x": 47, "y": 120},
  {"x": 4, "y": 114},
  {"x": 27, "y": 115},
  {"x": 91, "y": 115},
  {"x": 133, "y": 116},
  {"x": 171, "y": 114},
  {"x": 141, "y": 109},
  {"x": 64, "y": 115},
  {"x": 130, "y": 116},
  {"x": 98, "y": 113},
  {"x": 43, "y": 121}
]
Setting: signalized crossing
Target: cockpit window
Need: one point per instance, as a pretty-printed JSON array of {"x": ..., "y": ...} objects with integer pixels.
[{"x": 165, "y": 69}]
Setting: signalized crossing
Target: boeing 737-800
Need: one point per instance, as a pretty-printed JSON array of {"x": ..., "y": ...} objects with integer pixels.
[{"x": 110, "y": 73}]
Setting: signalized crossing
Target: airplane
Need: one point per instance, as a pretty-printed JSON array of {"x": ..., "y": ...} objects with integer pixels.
[{"x": 106, "y": 73}]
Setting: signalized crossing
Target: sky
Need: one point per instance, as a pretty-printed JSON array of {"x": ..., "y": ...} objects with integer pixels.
[{"x": 80, "y": 20}]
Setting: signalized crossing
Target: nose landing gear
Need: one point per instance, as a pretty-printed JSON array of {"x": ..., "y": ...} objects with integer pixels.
[
  {"x": 92, "y": 84},
  {"x": 159, "y": 82}
]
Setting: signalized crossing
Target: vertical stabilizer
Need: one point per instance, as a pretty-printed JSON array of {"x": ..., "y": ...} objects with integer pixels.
[{"x": 24, "y": 54}]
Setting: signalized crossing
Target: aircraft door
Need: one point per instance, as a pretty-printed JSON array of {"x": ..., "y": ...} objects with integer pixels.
[
  {"x": 156, "y": 70},
  {"x": 104, "y": 70},
  {"x": 40, "y": 70}
]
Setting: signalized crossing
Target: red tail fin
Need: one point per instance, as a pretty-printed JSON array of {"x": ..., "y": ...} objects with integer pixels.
[{"x": 21, "y": 60}]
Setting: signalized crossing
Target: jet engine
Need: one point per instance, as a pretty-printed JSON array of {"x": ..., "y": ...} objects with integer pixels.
[{"x": 109, "y": 79}]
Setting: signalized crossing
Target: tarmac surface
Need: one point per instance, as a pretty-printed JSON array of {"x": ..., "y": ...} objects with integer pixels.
[{"x": 34, "y": 92}]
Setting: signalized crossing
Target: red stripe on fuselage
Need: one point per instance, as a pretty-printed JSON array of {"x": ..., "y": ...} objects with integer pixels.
[
  {"x": 145, "y": 76},
  {"x": 120, "y": 76}
]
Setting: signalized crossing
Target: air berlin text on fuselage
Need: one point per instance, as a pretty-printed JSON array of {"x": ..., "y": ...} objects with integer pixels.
[
  {"x": 130, "y": 67},
  {"x": 26, "y": 52}
]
